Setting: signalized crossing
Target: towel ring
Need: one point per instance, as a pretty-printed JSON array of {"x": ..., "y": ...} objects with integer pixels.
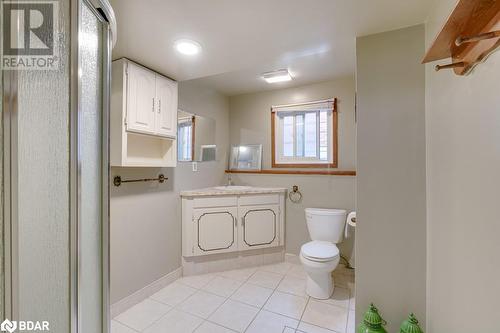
[{"x": 295, "y": 196}]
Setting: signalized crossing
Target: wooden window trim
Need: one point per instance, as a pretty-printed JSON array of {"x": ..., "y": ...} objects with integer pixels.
[{"x": 334, "y": 163}]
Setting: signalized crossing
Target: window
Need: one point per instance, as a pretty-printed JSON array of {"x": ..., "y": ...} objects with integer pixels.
[
  {"x": 185, "y": 139},
  {"x": 305, "y": 135}
]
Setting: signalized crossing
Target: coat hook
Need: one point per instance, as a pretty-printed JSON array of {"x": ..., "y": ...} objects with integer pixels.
[
  {"x": 487, "y": 35},
  {"x": 453, "y": 65}
]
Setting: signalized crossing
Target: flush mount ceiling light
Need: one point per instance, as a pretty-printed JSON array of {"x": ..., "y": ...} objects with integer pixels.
[
  {"x": 187, "y": 46},
  {"x": 281, "y": 75}
]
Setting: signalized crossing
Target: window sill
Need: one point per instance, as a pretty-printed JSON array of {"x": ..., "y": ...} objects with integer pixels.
[{"x": 297, "y": 172}]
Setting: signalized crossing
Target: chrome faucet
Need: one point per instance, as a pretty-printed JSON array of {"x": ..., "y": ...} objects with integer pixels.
[{"x": 229, "y": 180}]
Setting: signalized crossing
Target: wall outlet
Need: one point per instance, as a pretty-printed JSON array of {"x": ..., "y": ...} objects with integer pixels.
[{"x": 195, "y": 166}]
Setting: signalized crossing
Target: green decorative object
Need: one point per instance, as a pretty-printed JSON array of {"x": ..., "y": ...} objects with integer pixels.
[
  {"x": 410, "y": 325},
  {"x": 372, "y": 322}
]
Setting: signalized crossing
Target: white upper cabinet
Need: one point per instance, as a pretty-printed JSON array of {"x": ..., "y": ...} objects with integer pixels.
[
  {"x": 143, "y": 124},
  {"x": 141, "y": 94},
  {"x": 166, "y": 99},
  {"x": 151, "y": 102}
]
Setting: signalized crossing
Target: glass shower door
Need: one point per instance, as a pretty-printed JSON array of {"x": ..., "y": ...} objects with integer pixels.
[{"x": 93, "y": 69}]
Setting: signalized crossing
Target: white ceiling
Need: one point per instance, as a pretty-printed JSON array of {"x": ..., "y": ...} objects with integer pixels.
[{"x": 314, "y": 39}]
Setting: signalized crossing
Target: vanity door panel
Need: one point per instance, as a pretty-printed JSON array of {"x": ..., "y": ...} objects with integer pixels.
[
  {"x": 215, "y": 230},
  {"x": 259, "y": 226}
]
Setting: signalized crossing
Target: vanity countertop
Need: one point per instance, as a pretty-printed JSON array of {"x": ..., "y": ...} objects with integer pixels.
[{"x": 231, "y": 190}]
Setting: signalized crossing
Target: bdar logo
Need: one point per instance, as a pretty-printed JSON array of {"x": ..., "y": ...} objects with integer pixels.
[{"x": 8, "y": 326}]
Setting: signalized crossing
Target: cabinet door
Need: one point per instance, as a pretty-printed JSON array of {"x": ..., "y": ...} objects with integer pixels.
[
  {"x": 259, "y": 226},
  {"x": 166, "y": 117},
  {"x": 215, "y": 230},
  {"x": 140, "y": 100}
]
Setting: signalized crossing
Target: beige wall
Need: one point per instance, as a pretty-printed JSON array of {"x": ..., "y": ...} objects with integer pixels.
[
  {"x": 145, "y": 217},
  {"x": 391, "y": 233},
  {"x": 463, "y": 191},
  {"x": 251, "y": 113},
  {"x": 250, "y": 123}
]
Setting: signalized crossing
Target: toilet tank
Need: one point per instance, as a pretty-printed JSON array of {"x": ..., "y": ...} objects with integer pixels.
[{"x": 326, "y": 224}]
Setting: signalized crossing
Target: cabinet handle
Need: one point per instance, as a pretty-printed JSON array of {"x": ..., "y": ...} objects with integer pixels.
[
  {"x": 159, "y": 106},
  {"x": 153, "y": 104}
]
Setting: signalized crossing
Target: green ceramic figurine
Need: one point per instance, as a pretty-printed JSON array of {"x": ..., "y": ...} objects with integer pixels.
[
  {"x": 372, "y": 322},
  {"x": 410, "y": 325}
]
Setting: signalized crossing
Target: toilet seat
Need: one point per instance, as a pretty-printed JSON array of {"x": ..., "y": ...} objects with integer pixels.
[{"x": 319, "y": 251}]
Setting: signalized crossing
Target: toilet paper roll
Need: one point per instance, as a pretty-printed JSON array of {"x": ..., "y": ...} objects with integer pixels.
[{"x": 349, "y": 228}]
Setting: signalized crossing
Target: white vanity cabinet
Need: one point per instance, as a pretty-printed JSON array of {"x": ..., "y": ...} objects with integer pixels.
[{"x": 219, "y": 223}]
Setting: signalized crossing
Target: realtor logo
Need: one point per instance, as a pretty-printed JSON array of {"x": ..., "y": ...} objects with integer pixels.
[{"x": 29, "y": 35}]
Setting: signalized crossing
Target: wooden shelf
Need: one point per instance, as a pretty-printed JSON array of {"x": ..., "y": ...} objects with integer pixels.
[
  {"x": 297, "y": 172},
  {"x": 471, "y": 33}
]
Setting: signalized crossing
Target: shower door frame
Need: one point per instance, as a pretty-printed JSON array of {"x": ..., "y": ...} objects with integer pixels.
[
  {"x": 75, "y": 168},
  {"x": 9, "y": 118}
]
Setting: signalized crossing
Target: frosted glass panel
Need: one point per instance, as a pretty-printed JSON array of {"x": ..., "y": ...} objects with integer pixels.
[
  {"x": 90, "y": 143},
  {"x": 42, "y": 167}
]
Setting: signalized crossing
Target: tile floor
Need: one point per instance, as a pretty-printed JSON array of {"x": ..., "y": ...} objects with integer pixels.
[{"x": 265, "y": 299}]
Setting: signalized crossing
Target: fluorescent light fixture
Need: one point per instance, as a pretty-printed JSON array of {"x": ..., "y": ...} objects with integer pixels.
[
  {"x": 281, "y": 75},
  {"x": 187, "y": 46}
]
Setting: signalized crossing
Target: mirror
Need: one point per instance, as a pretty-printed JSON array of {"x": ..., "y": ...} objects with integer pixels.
[
  {"x": 246, "y": 157},
  {"x": 195, "y": 138}
]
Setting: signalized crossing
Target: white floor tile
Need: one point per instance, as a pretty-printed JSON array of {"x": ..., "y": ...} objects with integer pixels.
[
  {"x": 208, "y": 327},
  {"x": 340, "y": 297},
  {"x": 280, "y": 268},
  {"x": 265, "y": 279},
  {"x": 234, "y": 315},
  {"x": 222, "y": 286},
  {"x": 175, "y": 322},
  {"x": 143, "y": 314},
  {"x": 308, "y": 328},
  {"x": 290, "y": 330},
  {"x": 286, "y": 304},
  {"x": 293, "y": 285},
  {"x": 297, "y": 271},
  {"x": 238, "y": 274},
  {"x": 196, "y": 281},
  {"x": 325, "y": 315},
  {"x": 173, "y": 294},
  {"x": 201, "y": 304},
  {"x": 252, "y": 294},
  {"x": 117, "y": 327},
  {"x": 352, "y": 301},
  {"x": 351, "y": 322},
  {"x": 268, "y": 322}
]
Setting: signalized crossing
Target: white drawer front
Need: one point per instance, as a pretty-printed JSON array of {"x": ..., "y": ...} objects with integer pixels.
[
  {"x": 259, "y": 199},
  {"x": 220, "y": 201}
]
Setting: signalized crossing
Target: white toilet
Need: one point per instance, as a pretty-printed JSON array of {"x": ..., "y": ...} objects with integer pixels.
[{"x": 321, "y": 256}]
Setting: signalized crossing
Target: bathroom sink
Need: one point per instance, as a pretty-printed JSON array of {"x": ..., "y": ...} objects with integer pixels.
[{"x": 232, "y": 188}]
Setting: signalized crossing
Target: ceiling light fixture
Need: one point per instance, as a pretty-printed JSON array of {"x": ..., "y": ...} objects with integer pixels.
[
  {"x": 187, "y": 46},
  {"x": 281, "y": 75}
]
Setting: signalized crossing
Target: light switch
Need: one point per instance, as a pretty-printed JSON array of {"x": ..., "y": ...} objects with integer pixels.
[{"x": 195, "y": 166}]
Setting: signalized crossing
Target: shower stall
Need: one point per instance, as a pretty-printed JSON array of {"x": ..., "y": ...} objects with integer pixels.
[{"x": 54, "y": 168}]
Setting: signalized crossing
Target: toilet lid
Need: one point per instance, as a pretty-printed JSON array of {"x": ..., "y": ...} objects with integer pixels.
[{"x": 319, "y": 250}]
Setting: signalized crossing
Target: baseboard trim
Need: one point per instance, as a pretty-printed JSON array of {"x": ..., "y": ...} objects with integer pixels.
[
  {"x": 140, "y": 295},
  {"x": 292, "y": 258}
]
